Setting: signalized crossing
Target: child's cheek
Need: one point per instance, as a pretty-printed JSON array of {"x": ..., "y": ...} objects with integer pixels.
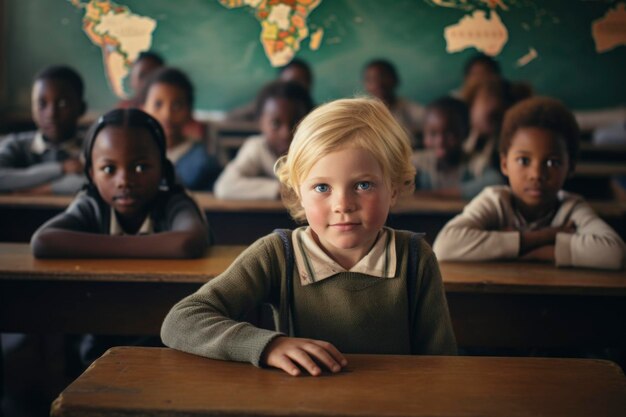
[{"x": 316, "y": 215}]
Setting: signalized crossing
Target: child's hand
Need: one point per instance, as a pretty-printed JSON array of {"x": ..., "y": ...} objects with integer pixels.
[
  {"x": 287, "y": 353},
  {"x": 569, "y": 227},
  {"x": 72, "y": 166},
  {"x": 541, "y": 254},
  {"x": 537, "y": 239}
]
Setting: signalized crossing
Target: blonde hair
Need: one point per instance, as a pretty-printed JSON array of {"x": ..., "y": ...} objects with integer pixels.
[{"x": 360, "y": 123}]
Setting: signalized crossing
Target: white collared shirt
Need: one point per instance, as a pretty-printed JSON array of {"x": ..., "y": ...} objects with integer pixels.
[
  {"x": 39, "y": 145},
  {"x": 116, "y": 229},
  {"x": 315, "y": 265}
]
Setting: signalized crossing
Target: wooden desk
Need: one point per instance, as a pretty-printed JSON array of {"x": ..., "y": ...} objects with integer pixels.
[
  {"x": 243, "y": 222},
  {"x": 524, "y": 305},
  {"x": 600, "y": 169},
  {"x": 602, "y": 153},
  {"x": 144, "y": 381},
  {"x": 232, "y": 222},
  {"x": 492, "y": 305},
  {"x": 98, "y": 296}
]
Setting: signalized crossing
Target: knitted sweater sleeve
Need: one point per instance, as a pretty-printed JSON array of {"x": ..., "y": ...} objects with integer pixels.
[
  {"x": 245, "y": 177},
  {"x": 210, "y": 322},
  {"x": 594, "y": 245},
  {"x": 476, "y": 235},
  {"x": 15, "y": 175}
]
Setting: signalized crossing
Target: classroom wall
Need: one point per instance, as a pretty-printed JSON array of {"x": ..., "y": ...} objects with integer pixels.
[{"x": 220, "y": 48}]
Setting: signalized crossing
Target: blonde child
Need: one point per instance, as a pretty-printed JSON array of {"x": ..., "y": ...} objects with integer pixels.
[
  {"x": 132, "y": 206},
  {"x": 250, "y": 176},
  {"x": 342, "y": 284},
  {"x": 533, "y": 218}
]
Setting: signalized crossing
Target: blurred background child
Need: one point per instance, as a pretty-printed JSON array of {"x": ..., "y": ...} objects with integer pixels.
[
  {"x": 169, "y": 98},
  {"x": 381, "y": 79},
  {"x": 144, "y": 66},
  {"x": 47, "y": 160},
  {"x": 488, "y": 101},
  {"x": 250, "y": 176},
  {"x": 297, "y": 70},
  {"x": 442, "y": 167}
]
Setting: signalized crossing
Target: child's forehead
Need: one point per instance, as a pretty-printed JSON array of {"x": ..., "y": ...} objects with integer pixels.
[
  {"x": 537, "y": 138},
  {"x": 125, "y": 138},
  {"x": 54, "y": 86},
  {"x": 282, "y": 106},
  {"x": 166, "y": 89}
]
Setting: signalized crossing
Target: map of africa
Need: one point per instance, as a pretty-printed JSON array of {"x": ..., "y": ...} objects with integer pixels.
[{"x": 122, "y": 34}]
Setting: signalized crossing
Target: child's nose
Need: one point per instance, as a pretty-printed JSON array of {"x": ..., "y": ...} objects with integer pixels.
[
  {"x": 123, "y": 178},
  {"x": 538, "y": 171},
  {"x": 344, "y": 202}
]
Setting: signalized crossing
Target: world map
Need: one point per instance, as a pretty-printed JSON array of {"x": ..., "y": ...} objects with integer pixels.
[{"x": 122, "y": 35}]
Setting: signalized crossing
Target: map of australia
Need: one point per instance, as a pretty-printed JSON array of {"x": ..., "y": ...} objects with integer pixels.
[{"x": 486, "y": 34}]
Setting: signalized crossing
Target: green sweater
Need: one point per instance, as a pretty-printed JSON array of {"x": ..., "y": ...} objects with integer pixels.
[{"x": 357, "y": 313}]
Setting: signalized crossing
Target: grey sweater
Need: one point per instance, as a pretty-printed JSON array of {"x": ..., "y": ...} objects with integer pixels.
[
  {"x": 355, "y": 312},
  {"x": 22, "y": 168}
]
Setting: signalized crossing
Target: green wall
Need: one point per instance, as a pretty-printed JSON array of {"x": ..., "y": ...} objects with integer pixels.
[{"x": 221, "y": 51}]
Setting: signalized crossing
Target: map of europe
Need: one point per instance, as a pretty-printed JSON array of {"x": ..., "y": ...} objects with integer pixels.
[{"x": 122, "y": 35}]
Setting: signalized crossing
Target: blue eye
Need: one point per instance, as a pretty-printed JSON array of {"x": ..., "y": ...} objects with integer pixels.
[
  {"x": 364, "y": 185},
  {"x": 321, "y": 188}
]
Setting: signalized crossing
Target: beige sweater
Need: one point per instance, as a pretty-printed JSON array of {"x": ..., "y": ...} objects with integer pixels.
[
  {"x": 355, "y": 312},
  {"x": 250, "y": 176},
  {"x": 480, "y": 233}
]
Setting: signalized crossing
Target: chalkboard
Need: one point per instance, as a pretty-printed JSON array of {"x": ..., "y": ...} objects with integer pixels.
[{"x": 221, "y": 51}]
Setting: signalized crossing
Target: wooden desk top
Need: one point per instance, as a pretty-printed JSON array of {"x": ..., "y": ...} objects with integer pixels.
[
  {"x": 17, "y": 262},
  {"x": 138, "y": 381},
  {"x": 600, "y": 169},
  {"x": 527, "y": 277}
]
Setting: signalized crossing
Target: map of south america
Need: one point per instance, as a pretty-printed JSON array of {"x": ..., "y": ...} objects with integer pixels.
[{"x": 120, "y": 34}]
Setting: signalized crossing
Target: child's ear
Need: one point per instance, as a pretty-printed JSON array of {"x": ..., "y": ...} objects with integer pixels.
[
  {"x": 503, "y": 165},
  {"x": 394, "y": 196},
  {"x": 91, "y": 173}
]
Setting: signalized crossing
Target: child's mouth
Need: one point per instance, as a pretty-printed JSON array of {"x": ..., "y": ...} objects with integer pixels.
[
  {"x": 125, "y": 200},
  {"x": 345, "y": 227}
]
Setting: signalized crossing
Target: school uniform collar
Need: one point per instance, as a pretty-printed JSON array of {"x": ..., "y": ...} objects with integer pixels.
[
  {"x": 315, "y": 265},
  {"x": 177, "y": 152},
  {"x": 116, "y": 229},
  {"x": 39, "y": 145}
]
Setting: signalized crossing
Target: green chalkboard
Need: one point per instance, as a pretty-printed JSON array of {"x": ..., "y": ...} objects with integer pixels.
[{"x": 221, "y": 51}]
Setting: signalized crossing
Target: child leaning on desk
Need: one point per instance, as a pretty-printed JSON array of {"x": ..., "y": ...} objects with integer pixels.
[
  {"x": 132, "y": 206},
  {"x": 46, "y": 161},
  {"x": 344, "y": 283},
  {"x": 532, "y": 218}
]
